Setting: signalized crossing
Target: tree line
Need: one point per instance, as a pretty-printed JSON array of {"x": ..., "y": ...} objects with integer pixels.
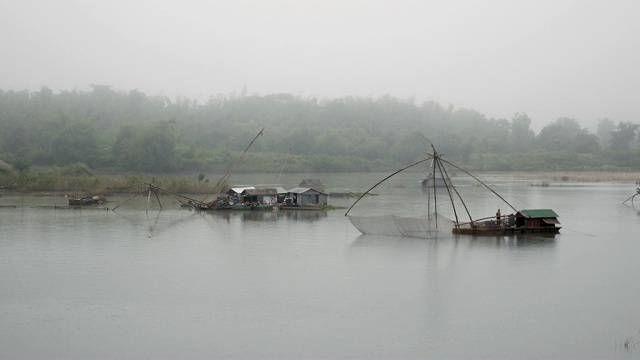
[{"x": 109, "y": 130}]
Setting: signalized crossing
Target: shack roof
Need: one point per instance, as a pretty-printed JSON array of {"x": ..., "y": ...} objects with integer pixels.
[
  {"x": 539, "y": 213},
  {"x": 302, "y": 190},
  {"x": 265, "y": 191},
  {"x": 239, "y": 190}
]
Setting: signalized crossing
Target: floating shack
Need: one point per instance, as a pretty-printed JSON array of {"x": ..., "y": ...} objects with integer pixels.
[{"x": 304, "y": 198}]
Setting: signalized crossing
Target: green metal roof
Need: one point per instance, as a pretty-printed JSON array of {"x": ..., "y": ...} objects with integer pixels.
[{"x": 539, "y": 213}]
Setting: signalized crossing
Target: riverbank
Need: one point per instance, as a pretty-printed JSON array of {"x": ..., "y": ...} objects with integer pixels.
[
  {"x": 48, "y": 182},
  {"x": 578, "y": 176},
  {"x": 43, "y": 183}
]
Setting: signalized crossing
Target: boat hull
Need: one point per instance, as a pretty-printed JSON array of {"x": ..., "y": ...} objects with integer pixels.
[
  {"x": 95, "y": 200},
  {"x": 305, "y": 208},
  {"x": 439, "y": 182},
  {"x": 507, "y": 230},
  {"x": 238, "y": 208}
]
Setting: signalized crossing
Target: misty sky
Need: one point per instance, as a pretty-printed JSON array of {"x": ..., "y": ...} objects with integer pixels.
[{"x": 548, "y": 59}]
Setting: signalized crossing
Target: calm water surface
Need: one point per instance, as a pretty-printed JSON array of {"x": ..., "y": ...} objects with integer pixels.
[{"x": 179, "y": 284}]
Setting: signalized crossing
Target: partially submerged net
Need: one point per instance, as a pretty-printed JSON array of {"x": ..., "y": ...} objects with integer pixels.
[{"x": 392, "y": 225}]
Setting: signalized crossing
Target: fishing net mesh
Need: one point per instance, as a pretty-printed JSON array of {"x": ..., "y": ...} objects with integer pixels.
[{"x": 393, "y": 225}]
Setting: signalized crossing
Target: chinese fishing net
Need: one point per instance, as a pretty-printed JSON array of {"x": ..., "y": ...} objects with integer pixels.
[{"x": 392, "y": 225}]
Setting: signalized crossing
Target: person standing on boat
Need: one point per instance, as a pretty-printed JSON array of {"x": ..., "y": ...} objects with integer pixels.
[{"x": 498, "y": 216}]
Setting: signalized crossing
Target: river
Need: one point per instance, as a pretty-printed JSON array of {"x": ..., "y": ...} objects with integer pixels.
[{"x": 178, "y": 284}]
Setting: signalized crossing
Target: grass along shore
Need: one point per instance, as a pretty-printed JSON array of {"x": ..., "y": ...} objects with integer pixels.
[
  {"x": 101, "y": 185},
  {"x": 578, "y": 176},
  {"x": 48, "y": 182}
]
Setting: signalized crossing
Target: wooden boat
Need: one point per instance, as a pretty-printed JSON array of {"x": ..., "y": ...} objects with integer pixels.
[
  {"x": 245, "y": 207},
  {"x": 87, "y": 200},
  {"x": 309, "y": 207},
  {"x": 540, "y": 221},
  {"x": 533, "y": 221},
  {"x": 431, "y": 181},
  {"x": 435, "y": 178}
]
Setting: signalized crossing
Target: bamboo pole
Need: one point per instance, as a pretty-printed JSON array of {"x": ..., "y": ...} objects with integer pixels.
[
  {"x": 383, "y": 180},
  {"x": 228, "y": 174}
]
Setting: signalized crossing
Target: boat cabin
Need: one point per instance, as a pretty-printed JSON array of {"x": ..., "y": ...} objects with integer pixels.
[{"x": 536, "y": 218}]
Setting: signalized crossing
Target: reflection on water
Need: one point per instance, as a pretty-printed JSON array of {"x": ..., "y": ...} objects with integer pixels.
[
  {"x": 272, "y": 215},
  {"x": 514, "y": 240},
  {"x": 542, "y": 240},
  {"x": 159, "y": 221}
]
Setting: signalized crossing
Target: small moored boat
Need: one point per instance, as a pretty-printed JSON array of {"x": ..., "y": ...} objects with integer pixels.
[
  {"x": 87, "y": 200},
  {"x": 435, "y": 178}
]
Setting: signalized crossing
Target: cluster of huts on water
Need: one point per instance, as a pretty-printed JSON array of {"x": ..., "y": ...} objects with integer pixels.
[{"x": 308, "y": 195}]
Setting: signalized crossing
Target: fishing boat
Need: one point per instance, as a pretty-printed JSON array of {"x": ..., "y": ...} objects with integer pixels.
[
  {"x": 435, "y": 178},
  {"x": 539, "y": 221},
  {"x": 87, "y": 200},
  {"x": 532, "y": 221},
  {"x": 308, "y": 207}
]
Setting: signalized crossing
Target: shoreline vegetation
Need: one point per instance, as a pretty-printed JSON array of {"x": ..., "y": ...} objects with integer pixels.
[
  {"x": 632, "y": 177},
  {"x": 50, "y": 181}
]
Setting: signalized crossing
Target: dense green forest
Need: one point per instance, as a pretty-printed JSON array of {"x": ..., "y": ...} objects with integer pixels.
[{"x": 105, "y": 130}]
